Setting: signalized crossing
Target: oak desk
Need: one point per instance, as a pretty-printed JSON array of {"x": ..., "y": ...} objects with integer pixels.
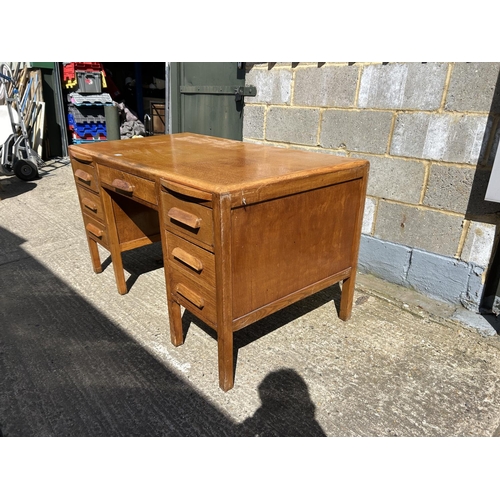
[{"x": 246, "y": 229}]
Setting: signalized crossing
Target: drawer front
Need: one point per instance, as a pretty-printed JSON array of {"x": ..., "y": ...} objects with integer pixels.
[
  {"x": 96, "y": 230},
  {"x": 192, "y": 259},
  {"x": 90, "y": 203},
  {"x": 196, "y": 298},
  {"x": 85, "y": 175},
  {"x": 188, "y": 219},
  {"x": 128, "y": 184}
]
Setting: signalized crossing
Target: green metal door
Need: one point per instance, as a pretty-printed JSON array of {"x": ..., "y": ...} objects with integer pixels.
[{"x": 208, "y": 98}]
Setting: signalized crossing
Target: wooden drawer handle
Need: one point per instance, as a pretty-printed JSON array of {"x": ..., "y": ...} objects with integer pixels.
[
  {"x": 123, "y": 185},
  {"x": 83, "y": 176},
  {"x": 190, "y": 295},
  {"x": 89, "y": 204},
  {"x": 184, "y": 217},
  {"x": 187, "y": 258},
  {"x": 94, "y": 230}
]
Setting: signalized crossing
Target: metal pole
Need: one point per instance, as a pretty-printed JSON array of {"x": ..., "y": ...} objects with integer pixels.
[{"x": 60, "y": 109}]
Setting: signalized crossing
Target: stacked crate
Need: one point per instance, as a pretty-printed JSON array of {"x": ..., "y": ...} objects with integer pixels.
[
  {"x": 86, "y": 118},
  {"x": 73, "y": 70},
  {"x": 86, "y": 123}
]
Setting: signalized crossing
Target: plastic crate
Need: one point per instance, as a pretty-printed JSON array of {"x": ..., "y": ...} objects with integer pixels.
[
  {"x": 90, "y": 100},
  {"x": 80, "y": 141},
  {"x": 89, "y": 82},
  {"x": 89, "y": 130},
  {"x": 85, "y": 114},
  {"x": 88, "y": 137},
  {"x": 70, "y": 69},
  {"x": 73, "y": 124}
]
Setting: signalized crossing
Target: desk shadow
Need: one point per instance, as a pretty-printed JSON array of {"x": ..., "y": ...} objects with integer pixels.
[
  {"x": 290, "y": 313},
  {"x": 286, "y": 409},
  {"x": 139, "y": 261},
  {"x": 272, "y": 322}
]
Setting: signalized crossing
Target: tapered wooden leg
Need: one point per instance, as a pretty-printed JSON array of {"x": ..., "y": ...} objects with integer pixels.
[
  {"x": 226, "y": 358},
  {"x": 224, "y": 290},
  {"x": 346, "y": 298},
  {"x": 94, "y": 255},
  {"x": 116, "y": 259},
  {"x": 174, "y": 316},
  {"x": 114, "y": 242}
]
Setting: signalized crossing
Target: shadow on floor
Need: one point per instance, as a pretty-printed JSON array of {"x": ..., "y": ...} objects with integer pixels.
[
  {"x": 286, "y": 410},
  {"x": 11, "y": 186},
  {"x": 270, "y": 323},
  {"x": 139, "y": 261},
  {"x": 67, "y": 370}
]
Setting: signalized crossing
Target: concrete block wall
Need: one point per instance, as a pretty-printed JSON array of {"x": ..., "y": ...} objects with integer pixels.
[{"x": 430, "y": 132}]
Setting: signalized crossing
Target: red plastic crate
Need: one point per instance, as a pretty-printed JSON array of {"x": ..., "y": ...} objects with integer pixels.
[
  {"x": 88, "y": 137},
  {"x": 70, "y": 69}
]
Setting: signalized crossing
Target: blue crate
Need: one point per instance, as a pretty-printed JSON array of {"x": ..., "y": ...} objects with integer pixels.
[{"x": 93, "y": 129}]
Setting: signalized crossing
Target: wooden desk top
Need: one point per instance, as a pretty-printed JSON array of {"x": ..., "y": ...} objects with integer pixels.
[{"x": 213, "y": 164}]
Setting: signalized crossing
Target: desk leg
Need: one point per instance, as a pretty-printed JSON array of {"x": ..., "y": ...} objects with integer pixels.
[
  {"x": 226, "y": 357},
  {"x": 346, "y": 298},
  {"x": 114, "y": 242},
  {"x": 116, "y": 259},
  {"x": 175, "y": 319},
  {"x": 224, "y": 290},
  {"x": 94, "y": 255}
]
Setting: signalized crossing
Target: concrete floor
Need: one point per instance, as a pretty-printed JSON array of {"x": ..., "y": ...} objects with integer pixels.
[{"x": 78, "y": 359}]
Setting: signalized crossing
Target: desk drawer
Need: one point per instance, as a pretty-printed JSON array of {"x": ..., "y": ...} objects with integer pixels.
[
  {"x": 187, "y": 218},
  {"x": 90, "y": 203},
  {"x": 192, "y": 259},
  {"x": 128, "y": 184},
  {"x": 85, "y": 175},
  {"x": 198, "y": 299},
  {"x": 95, "y": 230}
]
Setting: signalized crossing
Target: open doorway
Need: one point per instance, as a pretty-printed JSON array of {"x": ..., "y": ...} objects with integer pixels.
[
  {"x": 143, "y": 88},
  {"x": 113, "y": 100}
]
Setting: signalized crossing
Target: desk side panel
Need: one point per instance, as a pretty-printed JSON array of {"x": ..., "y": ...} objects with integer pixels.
[{"x": 287, "y": 244}]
